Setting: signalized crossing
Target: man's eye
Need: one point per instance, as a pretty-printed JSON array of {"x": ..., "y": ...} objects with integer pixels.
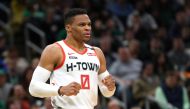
[{"x": 82, "y": 24}]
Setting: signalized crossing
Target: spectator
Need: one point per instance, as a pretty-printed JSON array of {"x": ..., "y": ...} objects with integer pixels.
[
  {"x": 185, "y": 34},
  {"x": 180, "y": 21},
  {"x": 187, "y": 11},
  {"x": 136, "y": 25},
  {"x": 13, "y": 104},
  {"x": 161, "y": 64},
  {"x": 134, "y": 48},
  {"x": 120, "y": 8},
  {"x": 26, "y": 77},
  {"x": 115, "y": 104},
  {"x": 165, "y": 12},
  {"x": 154, "y": 48},
  {"x": 99, "y": 27},
  {"x": 145, "y": 86},
  {"x": 186, "y": 77},
  {"x": 5, "y": 88},
  {"x": 129, "y": 35},
  {"x": 171, "y": 93},
  {"x": 47, "y": 104},
  {"x": 35, "y": 62},
  {"x": 147, "y": 21},
  {"x": 126, "y": 67},
  {"x": 19, "y": 63},
  {"x": 18, "y": 96},
  {"x": 15, "y": 65},
  {"x": 162, "y": 35},
  {"x": 177, "y": 55},
  {"x": 105, "y": 45}
]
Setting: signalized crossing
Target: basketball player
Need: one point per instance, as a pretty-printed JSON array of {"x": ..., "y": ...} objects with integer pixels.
[{"x": 75, "y": 69}]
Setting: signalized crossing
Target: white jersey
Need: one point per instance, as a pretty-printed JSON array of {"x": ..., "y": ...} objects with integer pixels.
[{"x": 79, "y": 67}]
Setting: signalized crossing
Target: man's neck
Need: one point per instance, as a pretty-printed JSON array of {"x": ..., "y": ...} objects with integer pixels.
[{"x": 79, "y": 46}]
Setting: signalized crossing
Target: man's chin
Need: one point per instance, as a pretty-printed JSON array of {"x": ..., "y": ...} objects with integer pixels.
[{"x": 86, "y": 39}]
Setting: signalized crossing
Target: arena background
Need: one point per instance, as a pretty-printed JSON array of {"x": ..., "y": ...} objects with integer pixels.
[{"x": 145, "y": 42}]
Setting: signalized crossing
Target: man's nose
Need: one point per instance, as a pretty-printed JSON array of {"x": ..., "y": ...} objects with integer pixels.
[{"x": 87, "y": 27}]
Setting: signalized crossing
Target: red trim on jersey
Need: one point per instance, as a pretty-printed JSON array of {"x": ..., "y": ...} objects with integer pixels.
[
  {"x": 63, "y": 60},
  {"x": 83, "y": 52}
]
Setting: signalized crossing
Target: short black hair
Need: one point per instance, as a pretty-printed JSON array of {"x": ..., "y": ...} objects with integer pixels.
[{"x": 72, "y": 13}]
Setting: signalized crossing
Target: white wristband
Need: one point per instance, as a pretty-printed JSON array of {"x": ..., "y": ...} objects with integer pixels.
[
  {"x": 103, "y": 89},
  {"x": 103, "y": 75}
]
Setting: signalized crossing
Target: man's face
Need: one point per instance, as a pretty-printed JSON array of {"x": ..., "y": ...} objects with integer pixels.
[
  {"x": 124, "y": 54},
  {"x": 80, "y": 28},
  {"x": 172, "y": 81}
]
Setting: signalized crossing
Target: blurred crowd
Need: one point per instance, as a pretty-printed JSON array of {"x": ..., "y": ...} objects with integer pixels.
[{"x": 145, "y": 42}]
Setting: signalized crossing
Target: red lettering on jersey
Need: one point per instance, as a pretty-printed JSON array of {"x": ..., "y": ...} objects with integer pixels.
[
  {"x": 91, "y": 54},
  {"x": 85, "y": 82},
  {"x": 70, "y": 53}
]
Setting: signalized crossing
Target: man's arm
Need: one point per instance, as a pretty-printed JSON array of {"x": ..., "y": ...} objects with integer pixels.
[
  {"x": 106, "y": 81},
  {"x": 51, "y": 56},
  {"x": 38, "y": 86}
]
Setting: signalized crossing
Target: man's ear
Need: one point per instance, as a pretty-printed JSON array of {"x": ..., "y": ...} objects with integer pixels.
[{"x": 68, "y": 28}]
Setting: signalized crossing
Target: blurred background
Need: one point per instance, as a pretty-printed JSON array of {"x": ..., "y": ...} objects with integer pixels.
[{"x": 146, "y": 44}]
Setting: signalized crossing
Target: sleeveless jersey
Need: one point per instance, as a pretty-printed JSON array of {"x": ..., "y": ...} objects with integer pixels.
[{"x": 81, "y": 68}]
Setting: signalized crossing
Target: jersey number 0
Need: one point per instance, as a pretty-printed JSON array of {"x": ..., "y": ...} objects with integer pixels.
[{"x": 85, "y": 82}]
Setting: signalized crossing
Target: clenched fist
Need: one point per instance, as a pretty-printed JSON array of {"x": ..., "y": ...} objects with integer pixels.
[
  {"x": 109, "y": 82},
  {"x": 71, "y": 89}
]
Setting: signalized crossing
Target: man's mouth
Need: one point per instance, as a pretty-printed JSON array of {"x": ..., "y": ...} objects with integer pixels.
[{"x": 87, "y": 34}]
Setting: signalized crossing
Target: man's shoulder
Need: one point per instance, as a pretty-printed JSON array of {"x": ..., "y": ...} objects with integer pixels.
[
  {"x": 97, "y": 48},
  {"x": 52, "y": 48},
  {"x": 51, "y": 54}
]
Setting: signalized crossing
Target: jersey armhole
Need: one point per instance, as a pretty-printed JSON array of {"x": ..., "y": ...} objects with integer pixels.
[
  {"x": 96, "y": 53},
  {"x": 93, "y": 48},
  {"x": 63, "y": 57}
]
